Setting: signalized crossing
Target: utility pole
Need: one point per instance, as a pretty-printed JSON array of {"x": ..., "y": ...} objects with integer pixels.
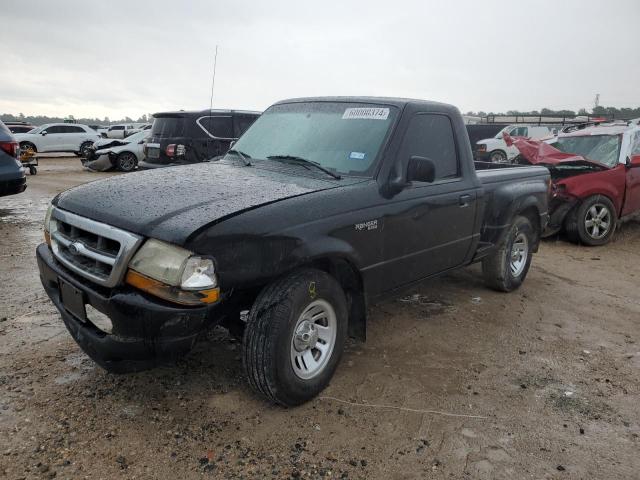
[{"x": 596, "y": 102}]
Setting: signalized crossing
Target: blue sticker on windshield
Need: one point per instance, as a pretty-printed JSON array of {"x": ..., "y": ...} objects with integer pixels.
[{"x": 357, "y": 155}]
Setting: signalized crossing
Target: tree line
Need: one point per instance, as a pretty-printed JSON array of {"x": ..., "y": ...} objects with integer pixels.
[
  {"x": 42, "y": 119},
  {"x": 621, "y": 113}
]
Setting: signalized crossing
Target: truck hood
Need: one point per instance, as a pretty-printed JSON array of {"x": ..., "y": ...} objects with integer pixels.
[{"x": 172, "y": 203}]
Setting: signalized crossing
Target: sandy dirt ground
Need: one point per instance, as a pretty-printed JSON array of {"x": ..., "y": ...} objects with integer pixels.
[{"x": 455, "y": 381}]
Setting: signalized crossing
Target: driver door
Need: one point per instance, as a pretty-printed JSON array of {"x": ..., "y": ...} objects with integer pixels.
[{"x": 632, "y": 192}]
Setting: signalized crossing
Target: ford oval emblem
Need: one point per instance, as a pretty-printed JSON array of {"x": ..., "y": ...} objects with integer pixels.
[{"x": 75, "y": 248}]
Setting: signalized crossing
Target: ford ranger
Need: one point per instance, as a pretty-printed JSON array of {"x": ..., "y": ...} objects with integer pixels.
[{"x": 320, "y": 208}]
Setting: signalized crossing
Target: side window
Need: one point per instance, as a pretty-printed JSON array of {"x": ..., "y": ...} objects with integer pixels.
[
  {"x": 635, "y": 144},
  {"x": 431, "y": 136},
  {"x": 76, "y": 129},
  {"x": 519, "y": 132},
  {"x": 242, "y": 123},
  {"x": 220, "y": 127},
  {"x": 55, "y": 129},
  {"x": 116, "y": 127}
]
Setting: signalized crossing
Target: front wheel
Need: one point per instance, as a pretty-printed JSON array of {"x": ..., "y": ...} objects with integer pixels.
[
  {"x": 498, "y": 156},
  {"x": 593, "y": 222},
  {"x": 294, "y": 337},
  {"x": 506, "y": 268},
  {"x": 84, "y": 149},
  {"x": 127, "y": 162}
]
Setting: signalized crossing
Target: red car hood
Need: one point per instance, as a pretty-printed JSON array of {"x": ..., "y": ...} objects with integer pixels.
[{"x": 538, "y": 152}]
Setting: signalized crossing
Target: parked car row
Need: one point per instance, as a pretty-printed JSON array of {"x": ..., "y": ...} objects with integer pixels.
[
  {"x": 110, "y": 154},
  {"x": 59, "y": 137}
]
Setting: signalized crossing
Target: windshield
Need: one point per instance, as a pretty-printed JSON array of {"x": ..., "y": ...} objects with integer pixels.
[
  {"x": 505, "y": 129},
  {"x": 599, "y": 148},
  {"x": 342, "y": 137},
  {"x": 136, "y": 137},
  {"x": 168, "y": 127}
]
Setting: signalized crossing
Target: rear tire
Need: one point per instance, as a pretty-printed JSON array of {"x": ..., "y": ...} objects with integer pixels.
[
  {"x": 593, "y": 222},
  {"x": 294, "y": 337},
  {"x": 506, "y": 268}
]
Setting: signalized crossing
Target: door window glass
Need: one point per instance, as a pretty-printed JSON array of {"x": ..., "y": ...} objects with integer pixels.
[{"x": 431, "y": 136}]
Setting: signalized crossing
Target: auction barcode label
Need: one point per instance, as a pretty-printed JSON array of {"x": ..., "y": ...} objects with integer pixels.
[{"x": 370, "y": 113}]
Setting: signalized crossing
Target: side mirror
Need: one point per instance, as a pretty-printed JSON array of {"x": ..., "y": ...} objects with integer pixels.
[
  {"x": 634, "y": 161},
  {"x": 421, "y": 169},
  {"x": 43, "y": 133}
]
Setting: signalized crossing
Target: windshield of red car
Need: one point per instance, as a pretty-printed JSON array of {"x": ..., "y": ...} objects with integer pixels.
[{"x": 599, "y": 148}]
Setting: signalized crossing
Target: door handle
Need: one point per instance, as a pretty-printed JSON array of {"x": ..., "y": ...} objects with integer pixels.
[{"x": 464, "y": 200}]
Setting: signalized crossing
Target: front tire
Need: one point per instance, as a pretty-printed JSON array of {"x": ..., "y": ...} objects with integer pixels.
[
  {"x": 84, "y": 149},
  {"x": 294, "y": 337},
  {"x": 593, "y": 222},
  {"x": 498, "y": 156},
  {"x": 506, "y": 269},
  {"x": 126, "y": 162}
]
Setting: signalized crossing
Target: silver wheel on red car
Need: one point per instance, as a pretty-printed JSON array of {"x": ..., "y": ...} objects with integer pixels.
[
  {"x": 597, "y": 221},
  {"x": 593, "y": 222},
  {"x": 314, "y": 337}
]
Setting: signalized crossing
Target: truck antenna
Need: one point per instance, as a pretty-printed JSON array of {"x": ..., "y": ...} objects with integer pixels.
[{"x": 213, "y": 79}]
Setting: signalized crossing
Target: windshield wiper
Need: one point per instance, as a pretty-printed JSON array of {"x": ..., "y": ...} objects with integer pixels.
[
  {"x": 304, "y": 161},
  {"x": 245, "y": 157}
]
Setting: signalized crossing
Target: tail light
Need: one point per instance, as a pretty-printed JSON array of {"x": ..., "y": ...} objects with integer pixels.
[
  {"x": 175, "y": 150},
  {"x": 10, "y": 148}
]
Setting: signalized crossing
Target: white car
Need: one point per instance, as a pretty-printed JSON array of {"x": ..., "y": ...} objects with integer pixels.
[
  {"x": 59, "y": 137},
  {"x": 122, "y": 130},
  {"x": 496, "y": 150},
  {"x": 123, "y": 155}
]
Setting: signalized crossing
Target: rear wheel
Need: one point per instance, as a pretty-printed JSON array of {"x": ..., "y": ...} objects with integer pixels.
[
  {"x": 507, "y": 268},
  {"x": 126, "y": 162},
  {"x": 294, "y": 337},
  {"x": 593, "y": 222},
  {"x": 498, "y": 156}
]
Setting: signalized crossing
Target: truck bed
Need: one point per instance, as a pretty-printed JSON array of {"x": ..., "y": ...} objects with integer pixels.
[{"x": 499, "y": 172}]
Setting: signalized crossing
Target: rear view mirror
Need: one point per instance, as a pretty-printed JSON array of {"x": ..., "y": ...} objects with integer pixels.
[
  {"x": 634, "y": 161},
  {"x": 421, "y": 169}
]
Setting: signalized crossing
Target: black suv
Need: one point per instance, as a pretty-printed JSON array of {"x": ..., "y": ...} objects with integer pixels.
[{"x": 179, "y": 138}]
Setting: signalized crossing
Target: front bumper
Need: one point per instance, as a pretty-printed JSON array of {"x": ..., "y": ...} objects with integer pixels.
[
  {"x": 146, "y": 332},
  {"x": 11, "y": 187}
]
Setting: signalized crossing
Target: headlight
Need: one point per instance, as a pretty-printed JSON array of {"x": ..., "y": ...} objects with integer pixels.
[
  {"x": 173, "y": 273},
  {"x": 47, "y": 220}
]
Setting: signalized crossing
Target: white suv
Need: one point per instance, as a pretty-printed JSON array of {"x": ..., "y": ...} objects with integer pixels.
[
  {"x": 496, "y": 150},
  {"x": 59, "y": 137},
  {"x": 122, "y": 130}
]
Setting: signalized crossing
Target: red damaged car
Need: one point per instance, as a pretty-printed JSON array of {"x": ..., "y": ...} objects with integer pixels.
[{"x": 595, "y": 175}]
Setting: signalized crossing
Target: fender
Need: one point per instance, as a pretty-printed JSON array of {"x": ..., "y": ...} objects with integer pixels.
[{"x": 609, "y": 183}]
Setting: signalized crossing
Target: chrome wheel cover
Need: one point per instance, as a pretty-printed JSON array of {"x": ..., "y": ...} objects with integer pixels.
[
  {"x": 313, "y": 339},
  {"x": 519, "y": 254}
]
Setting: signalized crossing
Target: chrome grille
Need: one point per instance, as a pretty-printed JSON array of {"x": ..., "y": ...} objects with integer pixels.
[{"x": 95, "y": 250}]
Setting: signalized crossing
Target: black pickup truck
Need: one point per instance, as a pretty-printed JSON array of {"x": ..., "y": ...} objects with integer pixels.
[{"x": 322, "y": 206}]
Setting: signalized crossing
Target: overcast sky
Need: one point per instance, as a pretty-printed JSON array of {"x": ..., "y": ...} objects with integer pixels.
[{"x": 125, "y": 58}]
